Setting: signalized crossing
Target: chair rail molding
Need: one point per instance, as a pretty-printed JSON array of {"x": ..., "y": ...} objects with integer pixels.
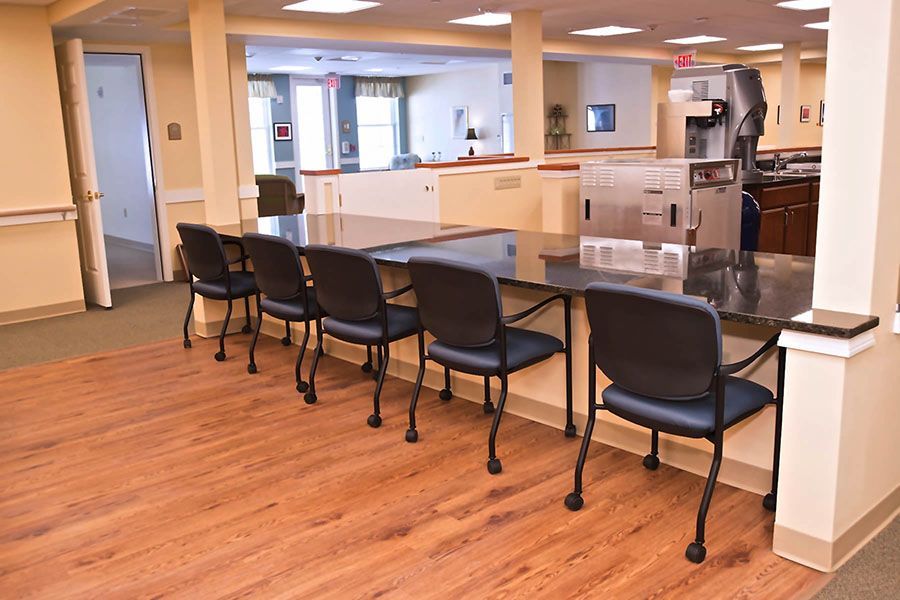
[
  {"x": 47, "y": 214},
  {"x": 823, "y": 344}
]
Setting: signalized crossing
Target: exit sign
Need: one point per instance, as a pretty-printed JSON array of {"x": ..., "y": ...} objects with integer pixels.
[
  {"x": 683, "y": 61},
  {"x": 334, "y": 82}
]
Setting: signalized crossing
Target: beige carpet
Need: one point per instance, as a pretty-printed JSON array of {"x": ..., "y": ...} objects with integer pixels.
[{"x": 154, "y": 312}]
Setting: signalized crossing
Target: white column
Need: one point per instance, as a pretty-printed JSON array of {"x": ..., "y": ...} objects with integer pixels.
[
  {"x": 790, "y": 95},
  {"x": 528, "y": 83}
]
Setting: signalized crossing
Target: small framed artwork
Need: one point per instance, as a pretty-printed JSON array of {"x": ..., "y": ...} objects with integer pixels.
[
  {"x": 821, "y": 113},
  {"x": 778, "y": 116},
  {"x": 284, "y": 132},
  {"x": 601, "y": 117},
  {"x": 459, "y": 122},
  {"x": 805, "y": 111}
]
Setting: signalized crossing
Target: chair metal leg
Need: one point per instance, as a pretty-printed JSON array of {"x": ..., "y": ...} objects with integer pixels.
[
  {"x": 412, "y": 436},
  {"x": 488, "y": 406},
  {"x": 771, "y": 499},
  {"x": 380, "y": 356},
  {"x": 302, "y": 386},
  {"x": 247, "y": 328},
  {"x": 367, "y": 366},
  {"x": 220, "y": 355},
  {"x": 447, "y": 392},
  {"x": 651, "y": 461},
  {"x": 574, "y": 501},
  {"x": 310, "y": 396},
  {"x": 696, "y": 551},
  {"x": 374, "y": 419},
  {"x": 286, "y": 340},
  {"x": 251, "y": 366},
  {"x": 570, "y": 423},
  {"x": 494, "y": 465},
  {"x": 187, "y": 320}
]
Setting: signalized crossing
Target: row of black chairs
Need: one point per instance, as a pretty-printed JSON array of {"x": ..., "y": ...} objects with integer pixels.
[{"x": 662, "y": 352}]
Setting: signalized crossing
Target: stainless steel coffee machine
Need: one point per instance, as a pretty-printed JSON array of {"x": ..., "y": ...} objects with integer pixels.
[{"x": 724, "y": 116}]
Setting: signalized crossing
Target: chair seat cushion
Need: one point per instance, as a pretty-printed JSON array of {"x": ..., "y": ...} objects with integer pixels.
[
  {"x": 242, "y": 285},
  {"x": 402, "y": 321},
  {"x": 523, "y": 348},
  {"x": 291, "y": 309},
  {"x": 690, "y": 418}
]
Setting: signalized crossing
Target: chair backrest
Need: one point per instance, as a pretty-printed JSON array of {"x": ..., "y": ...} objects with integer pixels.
[
  {"x": 458, "y": 303},
  {"x": 276, "y": 265},
  {"x": 277, "y": 196},
  {"x": 654, "y": 343},
  {"x": 348, "y": 285},
  {"x": 204, "y": 250}
]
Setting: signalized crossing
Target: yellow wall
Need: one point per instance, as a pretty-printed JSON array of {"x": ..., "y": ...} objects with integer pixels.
[
  {"x": 470, "y": 199},
  {"x": 42, "y": 263},
  {"x": 811, "y": 91}
]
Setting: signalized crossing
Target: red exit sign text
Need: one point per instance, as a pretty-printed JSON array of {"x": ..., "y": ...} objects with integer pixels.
[{"x": 683, "y": 61}]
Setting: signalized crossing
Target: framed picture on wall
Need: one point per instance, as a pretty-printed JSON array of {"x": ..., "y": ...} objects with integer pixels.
[
  {"x": 459, "y": 122},
  {"x": 283, "y": 132},
  {"x": 805, "y": 111},
  {"x": 778, "y": 116},
  {"x": 601, "y": 117},
  {"x": 821, "y": 112}
]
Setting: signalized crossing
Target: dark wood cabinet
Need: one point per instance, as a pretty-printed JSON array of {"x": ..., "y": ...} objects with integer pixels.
[
  {"x": 771, "y": 231},
  {"x": 789, "y": 211},
  {"x": 811, "y": 236},
  {"x": 796, "y": 224}
]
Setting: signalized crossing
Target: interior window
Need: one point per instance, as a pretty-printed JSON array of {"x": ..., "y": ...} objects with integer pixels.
[
  {"x": 261, "y": 136},
  {"x": 377, "y": 120}
]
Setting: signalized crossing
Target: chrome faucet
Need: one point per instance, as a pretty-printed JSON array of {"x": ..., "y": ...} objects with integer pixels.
[{"x": 781, "y": 163}]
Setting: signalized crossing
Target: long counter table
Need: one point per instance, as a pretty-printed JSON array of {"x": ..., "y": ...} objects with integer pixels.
[{"x": 745, "y": 287}]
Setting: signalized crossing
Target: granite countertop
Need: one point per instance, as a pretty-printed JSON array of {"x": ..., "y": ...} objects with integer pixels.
[{"x": 745, "y": 287}]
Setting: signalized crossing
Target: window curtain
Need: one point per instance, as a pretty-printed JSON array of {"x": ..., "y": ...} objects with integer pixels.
[
  {"x": 379, "y": 87},
  {"x": 261, "y": 86}
]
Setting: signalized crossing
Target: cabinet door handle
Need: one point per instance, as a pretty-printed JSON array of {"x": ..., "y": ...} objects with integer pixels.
[{"x": 786, "y": 217}]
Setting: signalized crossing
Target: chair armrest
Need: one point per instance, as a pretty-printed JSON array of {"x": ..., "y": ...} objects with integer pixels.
[
  {"x": 395, "y": 293},
  {"x": 307, "y": 278},
  {"x": 239, "y": 259},
  {"x": 234, "y": 241},
  {"x": 529, "y": 311},
  {"x": 733, "y": 368}
]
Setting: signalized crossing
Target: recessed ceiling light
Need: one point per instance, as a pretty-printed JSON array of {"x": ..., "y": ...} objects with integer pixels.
[
  {"x": 697, "y": 39},
  {"x": 331, "y": 6},
  {"x": 606, "y": 31},
  {"x": 762, "y": 47},
  {"x": 290, "y": 68},
  {"x": 485, "y": 19},
  {"x": 805, "y": 4},
  {"x": 823, "y": 25},
  {"x": 350, "y": 58},
  {"x": 374, "y": 70}
]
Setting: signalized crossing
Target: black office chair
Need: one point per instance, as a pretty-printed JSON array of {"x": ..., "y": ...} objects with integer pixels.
[
  {"x": 349, "y": 290},
  {"x": 280, "y": 276},
  {"x": 460, "y": 306},
  {"x": 663, "y": 354},
  {"x": 207, "y": 261}
]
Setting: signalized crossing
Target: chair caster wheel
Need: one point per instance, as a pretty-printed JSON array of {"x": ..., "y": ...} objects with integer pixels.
[
  {"x": 488, "y": 407},
  {"x": 251, "y": 369},
  {"x": 412, "y": 436},
  {"x": 570, "y": 431},
  {"x": 285, "y": 341},
  {"x": 187, "y": 343},
  {"x": 310, "y": 398},
  {"x": 574, "y": 501},
  {"x": 366, "y": 367},
  {"x": 220, "y": 356},
  {"x": 302, "y": 386},
  {"x": 374, "y": 421},
  {"x": 494, "y": 466},
  {"x": 651, "y": 462},
  {"x": 246, "y": 329},
  {"x": 695, "y": 552},
  {"x": 769, "y": 502},
  {"x": 445, "y": 394}
]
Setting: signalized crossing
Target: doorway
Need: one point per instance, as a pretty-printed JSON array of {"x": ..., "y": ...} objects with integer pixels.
[
  {"x": 121, "y": 140},
  {"x": 312, "y": 108}
]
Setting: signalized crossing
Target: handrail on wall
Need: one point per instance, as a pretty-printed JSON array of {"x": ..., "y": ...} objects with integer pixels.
[{"x": 43, "y": 210}]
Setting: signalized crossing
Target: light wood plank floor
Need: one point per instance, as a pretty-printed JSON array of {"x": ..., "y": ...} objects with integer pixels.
[{"x": 157, "y": 472}]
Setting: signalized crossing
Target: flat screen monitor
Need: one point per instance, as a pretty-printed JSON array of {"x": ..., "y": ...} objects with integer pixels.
[{"x": 601, "y": 117}]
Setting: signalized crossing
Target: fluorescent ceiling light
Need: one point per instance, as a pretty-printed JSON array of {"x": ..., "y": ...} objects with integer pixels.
[
  {"x": 374, "y": 70},
  {"x": 290, "y": 68},
  {"x": 606, "y": 31},
  {"x": 350, "y": 58},
  {"x": 331, "y": 6},
  {"x": 762, "y": 47},
  {"x": 485, "y": 19},
  {"x": 697, "y": 39},
  {"x": 805, "y": 4},
  {"x": 823, "y": 25}
]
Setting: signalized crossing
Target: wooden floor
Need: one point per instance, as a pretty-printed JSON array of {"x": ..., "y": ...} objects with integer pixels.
[{"x": 158, "y": 472}]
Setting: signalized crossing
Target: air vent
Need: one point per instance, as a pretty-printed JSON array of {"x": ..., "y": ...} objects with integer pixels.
[
  {"x": 507, "y": 79},
  {"x": 671, "y": 264},
  {"x": 701, "y": 90},
  {"x": 653, "y": 179},
  {"x": 597, "y": 256},
  {"x": 672, "y": 179}
]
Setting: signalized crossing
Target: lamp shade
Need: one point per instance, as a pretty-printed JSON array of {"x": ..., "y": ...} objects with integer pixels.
[{"x": 470, "y": 134}]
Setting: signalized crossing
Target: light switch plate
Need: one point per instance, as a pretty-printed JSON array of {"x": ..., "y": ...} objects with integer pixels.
[{"x": 508, "y": 183}]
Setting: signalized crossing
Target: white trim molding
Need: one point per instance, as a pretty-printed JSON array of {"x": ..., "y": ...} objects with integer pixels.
[
  {"x": 559, "y": 174},
  {"x": 508, "y": 166},
  {"x": 247, "y": 192},
  {"x": 897, "y": 322},
  {"x": 180, "y": 195},
  {"x": 284, "y": 164},
  {"x": 823, "y": 344},
  {"x": 67, "y": 213}
]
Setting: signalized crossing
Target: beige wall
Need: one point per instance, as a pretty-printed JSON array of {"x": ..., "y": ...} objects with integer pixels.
[
  {"x": 42, "y": 263},
  {"x": 811, "y": 90},
  {"x": 470, "y": 199}
]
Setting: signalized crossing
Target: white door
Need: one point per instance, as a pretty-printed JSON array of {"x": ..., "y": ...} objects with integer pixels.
[
  {"x": 83, "y": 171},
  {"x": 313, "y": 148}
]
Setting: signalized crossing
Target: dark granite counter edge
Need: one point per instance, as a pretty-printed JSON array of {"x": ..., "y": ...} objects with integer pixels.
[{"x": 735, "y": 317}]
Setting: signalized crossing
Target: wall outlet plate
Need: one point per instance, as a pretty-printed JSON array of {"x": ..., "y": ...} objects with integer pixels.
[{"x": 507, "y": 183}]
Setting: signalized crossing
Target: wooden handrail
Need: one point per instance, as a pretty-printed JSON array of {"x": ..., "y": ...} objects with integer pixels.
[
  {"x": 43, "y": 210},
  {"x": 320, "y": 172},
  {"x": 601, "y": 150},
  {"x": 482, "y": 156},
  {"x": 560, "y": 167},
  {"x": 798, "y": 149},
  {"x": 472, "y": 163}
]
